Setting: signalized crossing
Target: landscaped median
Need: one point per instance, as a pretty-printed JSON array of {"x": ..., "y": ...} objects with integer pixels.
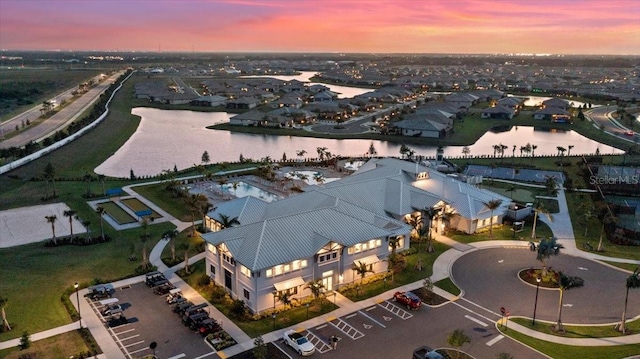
[{"x": 564, "y": 351}]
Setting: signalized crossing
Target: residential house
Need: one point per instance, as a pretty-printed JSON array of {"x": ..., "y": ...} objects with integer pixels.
[
  {"x": 433, "y": 125},
  {"x": 553, "y": 114},
  {"x": 322, "y": 233},
  {"x": 556, "y": 102},
  {"x": 209, "y": 101},
  {"x": 243, "y": 103},
  {"x": 498, "y": 112},
  {"x": 250, "y": 118},
  {"x": 461, "y": 100}
]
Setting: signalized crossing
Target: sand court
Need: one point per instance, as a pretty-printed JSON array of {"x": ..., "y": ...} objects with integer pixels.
[{"x": 28, "y": 224}]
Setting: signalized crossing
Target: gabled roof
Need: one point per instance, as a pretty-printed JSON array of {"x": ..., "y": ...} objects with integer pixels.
[
  {"x": 357, "y": 208},
  {"x": 499, "y": 109},
  {"x": 556, "y": 102},
  {"x": 551, "y": 111}
]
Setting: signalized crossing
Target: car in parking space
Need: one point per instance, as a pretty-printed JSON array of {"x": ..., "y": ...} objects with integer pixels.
[
  {"x": 410, "y": 300},
  {"x": 424, "y": 352},
  {"x": 299, "y": 343}
]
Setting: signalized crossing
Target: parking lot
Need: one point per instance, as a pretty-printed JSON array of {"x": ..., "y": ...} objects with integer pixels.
[
  {"x": 388, "y": 330},
  {"x": 150, "y": 319}
]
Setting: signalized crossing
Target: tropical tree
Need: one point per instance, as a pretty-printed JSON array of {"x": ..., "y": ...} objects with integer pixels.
[
  {"x": 372, "y": 150},
  {"x": 569, "y": 151},
  {"x": 533, "y": 150},
  {"x": 608, "y": 218},
  {"x": 205, "y": 158},
  {"x": 496, "y": 149},
  {"x": 564, "y": 283},
  {"x": 415, "y": 221},
  {"x": 319, "y": 178},
  {"x": 561, "y": 151},
  {"x": 362, "y": 269},
  {"x": 633, "y": 281},
  {"x": 102, "y": 178},
  {"x": 185, "y": 247},
  {"x": 144, "y": 236},
  {"x": 457, "y": 339},
  {"x": 585, "y": 213},
  {"x": 511, "y": 189},
  {"x": 527, "y": 148},
  {"x": 260, "y": 348},
  {"x": 86, "y": 224},
  {"x": 321, "y": 152},
  {"x": 445, "y": 215},
  {"x": 227, "y": 222},
  {"x": 301, "y": 153},
  {"x": 492, "y": 206},
  {"x": 513, "y": 151},
  {"x": 551, "y": 185},
  {"x": 466, "y": 151},
  {"x": 404, "y": 150},
  {"x": 88, "y": 178},
  {"x": 50, "y": 176},
  {"x": 502, "y": 149},
  {"x": 394, "y": 241},
  {"x": 429, "y": 213},
  {"x": 285, "y": 298},
  {"x": 70, "y": 214},
  {"x": 3, "y": 304},
  {"x": 547, "y": 248},
  {"x": 52, "y": 219},
  {"x": 100, "y": 211},
  {"x": 170, "y": 236},
  {"x": 316, "y": 287},
  {"x": 195, "y": 203}
]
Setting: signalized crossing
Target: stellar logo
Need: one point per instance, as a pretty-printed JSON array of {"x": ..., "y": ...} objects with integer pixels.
[{"x": 595, "y": 180}]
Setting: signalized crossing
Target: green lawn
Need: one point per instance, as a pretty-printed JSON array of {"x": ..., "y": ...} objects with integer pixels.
[
  {"x": 580, "y": 331},
  {"x": 195, "y": 245},
  {"x": 62, "y": 346},
  {"x": 34, "y": 277},
  {"x": 503, "y": 232},
  {"x": 448, "y": 286},
  {"x": 560, "y": 351},
  {"x": 136, "y": 205}
]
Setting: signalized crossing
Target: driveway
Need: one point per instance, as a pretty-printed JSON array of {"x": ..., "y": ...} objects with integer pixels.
[{"x": 489, "y": 278}]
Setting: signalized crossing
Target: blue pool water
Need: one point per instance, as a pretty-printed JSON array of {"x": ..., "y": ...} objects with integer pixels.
[{"x": 244, "y": 189}]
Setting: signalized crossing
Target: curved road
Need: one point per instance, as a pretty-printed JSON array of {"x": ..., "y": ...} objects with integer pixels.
[
  {"x": 59, "y": 120},
  {"x": 489, "y": 278},
  {"x": 602, "y": 117}
]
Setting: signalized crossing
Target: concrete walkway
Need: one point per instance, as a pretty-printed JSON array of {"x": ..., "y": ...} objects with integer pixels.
[{"x": 561, "y": 227}]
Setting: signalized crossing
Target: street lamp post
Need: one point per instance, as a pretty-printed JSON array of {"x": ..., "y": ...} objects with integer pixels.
[
  {"x": 307, "y": 310},
  {"x": 273, "y": 316},
  {"x": 334, "y": 299},
  {"x": 535, "y": 305},
  {"x": 78, "y": 301},
  {"x": 384, "y": 283}
]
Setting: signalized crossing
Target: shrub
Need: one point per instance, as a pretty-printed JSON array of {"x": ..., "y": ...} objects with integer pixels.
[
  {"x": 204, "y": 280},
  {"x": 238, "y": 309},
  {"x": 25, "y": 340}
]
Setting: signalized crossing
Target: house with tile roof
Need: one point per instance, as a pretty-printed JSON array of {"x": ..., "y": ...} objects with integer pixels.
[
  {"x": 322, "y": 233},
  {"x": 499, "y": 112},
  {"x": 553, "y": 114}
]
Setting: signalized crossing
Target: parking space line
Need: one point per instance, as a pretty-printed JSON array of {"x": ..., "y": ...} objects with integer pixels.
[
  {"x": 320, "y": 345},
  {"x": 476, "y": 320},
  {"x": 210, "y": 354},
  {"x": 138, "y": 351},
  {"x": 373, "y": 320},
  {"x": 132, "y": 344},
  {"x": 347, "y": 329},
  {"x": 401, "y": 313},
  {"x": 131, "y": 337},
  {"x": 370, "y": 308},
  {"x": 351, "y": 316},
  {"x": 179, "y": 356},
  {"x": 495, "y": 340},
  {"x": 321, "y": 326},
  {"x": 125, "y": 331}
]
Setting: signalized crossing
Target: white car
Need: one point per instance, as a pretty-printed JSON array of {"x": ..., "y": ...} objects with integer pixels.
[{"x": 299, "y": 343}]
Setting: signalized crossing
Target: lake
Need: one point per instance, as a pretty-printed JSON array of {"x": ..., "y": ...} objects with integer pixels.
[{"x": 168, "y": 138}]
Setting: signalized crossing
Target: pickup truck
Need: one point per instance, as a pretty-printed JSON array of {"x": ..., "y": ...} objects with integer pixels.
[
  {"x": 298, "y": 343},
  {"x": 425, "y": 352}
]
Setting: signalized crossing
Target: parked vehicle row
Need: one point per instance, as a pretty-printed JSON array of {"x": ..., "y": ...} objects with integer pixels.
[
  {"x": 195, "y": 316},
  {"x": 155, "y": 279},
  {"x": 410, "y": 300},
  {"x": 98, "y": 292}
]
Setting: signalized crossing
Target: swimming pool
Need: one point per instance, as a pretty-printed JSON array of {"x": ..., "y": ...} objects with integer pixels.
[{"x": 244, "y": 189}]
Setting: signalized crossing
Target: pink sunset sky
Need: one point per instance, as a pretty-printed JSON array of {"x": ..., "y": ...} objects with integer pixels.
[{"x": 371, "y": 26}]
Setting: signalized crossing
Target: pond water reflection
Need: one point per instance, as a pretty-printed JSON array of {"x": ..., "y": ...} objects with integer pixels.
[{"x": 167, "y": 138}]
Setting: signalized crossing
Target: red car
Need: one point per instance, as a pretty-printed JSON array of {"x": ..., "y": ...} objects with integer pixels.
[
  {"x": 409, "y": 299},
  {"x": 629, "y": 133}
]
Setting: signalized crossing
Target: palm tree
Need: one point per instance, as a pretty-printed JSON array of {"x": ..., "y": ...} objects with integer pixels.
[
  {"x": 513, "y": 151},
  {"x": 286, "y": 298},
  {"x": 170, "y": 236},
  {"x": 415, "y": 221},
  {"x": 50, "y": 176},
  {"x": 144, "y": 236},
  {"x": 551, "y": 184},
  {"x": 88, "y": 178},
  {"x": 533, "y": 150},
  {"x": 5, "y": 323},
  {"x": 564, "y": 283},
  {"x": 227, "y": 222},
  {"x": 70, "y": 214},
  {"x": 316, "y": 287},
  {"x": 301, "y": 153},
  {"x": 608, "y": 218},
  {"x": 52, "y": 219},
  {"x": 633, "y": 281},
  {"x": 561, "y": 151},
  {"x": 429, "y": 213},
  {"x": 102, "y": 178},
  {"x": 527, "y": 148},
  {"x": 496, "y": 148},
  {"x": 321, "y": 152},
  {"x": 86, "y": 224},
  {"x": 569, "y": 152},
  {"x": 100, "y": 211},
  {"x": 195, "y": 205},
  {"x": 393, "y": 243},
  {"x": 585, "y": 213},
  {"x": 362, "y": 269},
  {"x": 372, "y": 150},
  {"x": 185, "y": 247},
  {"x": 538, "y": 208},
  {"x": 319, "y": 178},
  {"x": 492, "y": 205},
  {"x": 547, "y": 248},
  {"x": 511, "y": 189}
]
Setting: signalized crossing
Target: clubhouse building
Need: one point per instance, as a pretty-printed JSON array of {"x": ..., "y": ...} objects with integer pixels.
[{"x": 321, "y": 233}]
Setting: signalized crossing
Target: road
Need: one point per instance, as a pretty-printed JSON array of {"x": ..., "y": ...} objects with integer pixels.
[
  {"x": 59, "y": 120},
  {"x": 602, "y": 117}
]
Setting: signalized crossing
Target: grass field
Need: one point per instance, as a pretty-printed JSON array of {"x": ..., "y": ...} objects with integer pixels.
[
  {"x": 62, "y": 346},
  {"x": 24, "y": 88},
  {"x": 136, "y": 205}
]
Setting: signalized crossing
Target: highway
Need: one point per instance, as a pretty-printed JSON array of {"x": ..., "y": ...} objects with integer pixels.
[
  {"x": 601, "y": 116},
  {"x": 56, "y": 122}
]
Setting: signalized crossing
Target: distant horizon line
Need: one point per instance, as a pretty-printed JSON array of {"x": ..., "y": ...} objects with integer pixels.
[{"x": 519, "y": 54}]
